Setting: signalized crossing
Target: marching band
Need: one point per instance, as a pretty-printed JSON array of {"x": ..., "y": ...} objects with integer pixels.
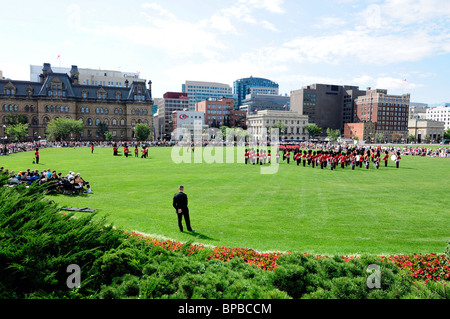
[{"x": 325, "y": 159}]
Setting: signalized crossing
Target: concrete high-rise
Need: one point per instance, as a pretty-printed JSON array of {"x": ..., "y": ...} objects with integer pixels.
[
  {"x": 326, "y": 105},
  {"x": 171, "y": 101},
  {"x": 198, "y": 91},
  {"x": 86, "y": 76}
]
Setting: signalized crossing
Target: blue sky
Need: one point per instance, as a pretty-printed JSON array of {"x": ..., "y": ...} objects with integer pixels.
[{"x": 399, "y": 45}]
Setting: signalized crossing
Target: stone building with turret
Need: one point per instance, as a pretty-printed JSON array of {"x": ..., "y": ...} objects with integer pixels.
[{"x": 62, "y": 95}]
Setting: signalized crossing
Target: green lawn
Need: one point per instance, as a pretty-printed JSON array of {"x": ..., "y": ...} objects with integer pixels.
[{"x": 385, "y": 211}]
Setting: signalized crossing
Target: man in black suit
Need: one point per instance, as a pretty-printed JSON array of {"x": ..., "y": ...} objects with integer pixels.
[{"x": 180, "y": 203}]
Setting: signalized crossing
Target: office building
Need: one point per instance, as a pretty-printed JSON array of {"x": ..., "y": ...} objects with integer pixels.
[
  {"x": 259, "y": 102},
  {"x": 61, "y": 95},
  {"x": 221, "y": 112},
  {"x": 418, "y": 110},
  {"x": 185, "y": 122},
  {"x": 171, "y": 101},
  {"x": 253, "y": 85},
  {"x": 390, "y": 113},
  {"x": 105, "y": 78},
  {"x": 326, "y": 105},
  {"x": 199, "y": 91},
  {"x": 440, "y": 113}
]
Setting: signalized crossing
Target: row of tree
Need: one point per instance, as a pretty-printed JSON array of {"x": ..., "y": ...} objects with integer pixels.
[{"x": 63, "y": 129}]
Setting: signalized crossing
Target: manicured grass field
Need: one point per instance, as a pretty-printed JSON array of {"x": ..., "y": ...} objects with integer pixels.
[{"x": 384, "y": 211}]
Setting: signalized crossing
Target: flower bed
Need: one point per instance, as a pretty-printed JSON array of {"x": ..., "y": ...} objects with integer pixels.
[
  {"x": 265, "y": 261},
  {"x": 422, "y": 267}
]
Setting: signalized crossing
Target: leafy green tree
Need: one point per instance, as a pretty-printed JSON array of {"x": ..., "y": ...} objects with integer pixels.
[
  {"x": 380, "y": 137},
  {"x": 102, "y": 129},
  {"x": 108, "y": 136},
  {"x": 411, "y": 138},
  {"x": 333, "y": 134},
  {"x": 223, "y": 129},
  {"x": 18, "y": 131},
  {"x": 447, "y": 134},
  {"x": 280, "y": 125},
  {"x": 141, "y": 131},
  {"x": 313, "y": 130},
  {"x": 60, "y": 129},
  {"x": 12, "y": 119}
]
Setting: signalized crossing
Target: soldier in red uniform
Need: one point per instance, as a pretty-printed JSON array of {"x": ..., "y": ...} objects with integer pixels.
[
  {"x": 397, "y": 159},
  {"x": 386, "y": 158},
  {"x": 36, "y": 154}
]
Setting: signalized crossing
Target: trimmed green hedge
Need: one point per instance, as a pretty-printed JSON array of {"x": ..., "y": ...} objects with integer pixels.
[{"x": 38, "y": 242}]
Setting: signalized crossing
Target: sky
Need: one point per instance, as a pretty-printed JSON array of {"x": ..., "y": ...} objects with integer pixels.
[{"x": 399, "y": 45}]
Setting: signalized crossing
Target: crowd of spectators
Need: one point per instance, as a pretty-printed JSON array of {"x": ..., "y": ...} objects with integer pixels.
[{"x": 70, "y": 183}]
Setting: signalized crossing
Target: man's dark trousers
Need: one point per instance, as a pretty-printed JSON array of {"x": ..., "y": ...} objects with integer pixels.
[
  {"x": 185, "y": 213},
  {"x": 180, "y": 201}
]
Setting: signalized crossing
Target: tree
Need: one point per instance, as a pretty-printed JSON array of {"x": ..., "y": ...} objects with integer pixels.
[
  {"x": 108, "y": 136},
  {"x": 280, "y": 125},
  {"x": 13, "y": 119},
  {"x": 411, "y": 138},
  {"x": 396, "y": 137},
  {"x": 60, "y": 129},
  {"x": 447, "y": 134},
  {"x": 333, "y": 134},
  {"x": 313, "y": 130},
  {"x": 223, "y": 129},
  {"x": 380, "y": 137},
  {"x": 141, "y": 131},
  {"x": 17, "y": 131},
  {"x": 102, "y": 129}
]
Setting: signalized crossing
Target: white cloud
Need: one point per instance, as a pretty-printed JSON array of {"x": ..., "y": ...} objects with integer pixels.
[
  {"x": 390, "y": 83},
  {"x": 244, "y": 11},
  {"x": 159, "y": 10},
  {"x": 221, "y": 23},
  {"x": 369, "y": 47},
  {"x": 330, "y": 22},
  {"x": 274, "y": 6}
]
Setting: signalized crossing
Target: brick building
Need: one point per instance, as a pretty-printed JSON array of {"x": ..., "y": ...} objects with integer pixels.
[{"x": 219, "y": 112}]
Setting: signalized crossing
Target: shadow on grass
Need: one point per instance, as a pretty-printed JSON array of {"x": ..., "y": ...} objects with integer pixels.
[{"x": 197, "y": 235}]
